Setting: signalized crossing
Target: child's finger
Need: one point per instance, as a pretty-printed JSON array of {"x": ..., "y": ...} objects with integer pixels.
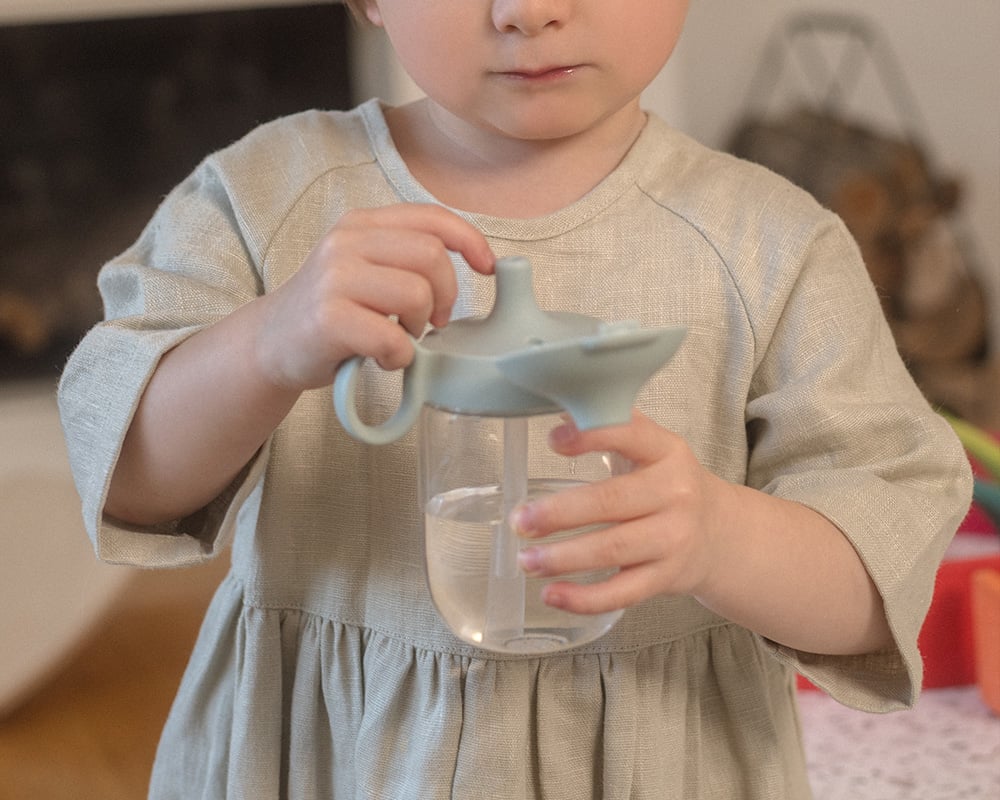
[
  {"x": 640, "y": 440},
  {"x": 411, "y": 239},
  {"x": 623, "y": 545},
  {"x": 373, "y": 266},
  {"x": 374, "y": 335},
  {"x": 614, "y": 499},
  {"x": 624, "y": 589},
  {"x": 407, "y": 295},
  {"x": 457, "y": 234}
]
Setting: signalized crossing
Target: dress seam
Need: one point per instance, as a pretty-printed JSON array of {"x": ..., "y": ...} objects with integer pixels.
[{"x": 595, "y": 648}]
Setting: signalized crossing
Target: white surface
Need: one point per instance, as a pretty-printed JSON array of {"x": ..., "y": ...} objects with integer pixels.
[
  {"x": 947, "y": 748},
  {"x": 377, "y": 71},
  {"x": 948, "y": 51},
  {"x": 36, "y": 11},
  {"x": 52, "y": 588}
]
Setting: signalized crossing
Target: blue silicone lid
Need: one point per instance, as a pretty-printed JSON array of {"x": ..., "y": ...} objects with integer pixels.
[{"x": 521, "y": 360}]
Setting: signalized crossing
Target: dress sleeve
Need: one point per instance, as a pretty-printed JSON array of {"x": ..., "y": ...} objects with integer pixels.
[
  {"x": 837, "y": 424},
  {"x": 191, "y": 266}
]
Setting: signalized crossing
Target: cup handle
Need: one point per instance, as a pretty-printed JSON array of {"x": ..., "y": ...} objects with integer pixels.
[{"x": 345, "y": 395}]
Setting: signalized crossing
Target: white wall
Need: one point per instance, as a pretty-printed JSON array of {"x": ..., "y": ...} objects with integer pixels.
[{"x": 949, "y": 51}]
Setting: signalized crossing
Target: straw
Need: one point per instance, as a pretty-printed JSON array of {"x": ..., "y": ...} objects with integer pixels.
[{"x": 505, "y": 588}]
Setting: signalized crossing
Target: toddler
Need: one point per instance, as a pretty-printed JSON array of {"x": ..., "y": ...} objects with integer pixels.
[{"x": 792, "y": 492}]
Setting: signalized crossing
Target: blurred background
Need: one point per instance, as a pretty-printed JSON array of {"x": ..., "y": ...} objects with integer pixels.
[{"x": 889, "y": 112}]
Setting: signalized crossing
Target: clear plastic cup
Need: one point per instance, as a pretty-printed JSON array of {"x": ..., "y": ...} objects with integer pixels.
[{"x": 474, "y": 470}]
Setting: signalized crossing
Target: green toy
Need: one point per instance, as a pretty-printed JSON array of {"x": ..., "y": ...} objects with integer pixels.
[{"x": 986, "y": 450}]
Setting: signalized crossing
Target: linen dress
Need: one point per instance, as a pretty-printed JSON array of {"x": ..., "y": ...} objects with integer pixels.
[{"x": 322, "y": 669}]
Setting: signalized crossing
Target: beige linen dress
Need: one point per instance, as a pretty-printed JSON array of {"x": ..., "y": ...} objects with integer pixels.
[{"x": 323, "y": 671}]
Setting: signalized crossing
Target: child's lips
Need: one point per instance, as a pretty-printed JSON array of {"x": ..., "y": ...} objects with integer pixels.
[{"x": 542, "y": 74}]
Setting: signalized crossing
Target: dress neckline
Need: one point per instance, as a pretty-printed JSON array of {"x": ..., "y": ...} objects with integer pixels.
[{"x": 607, "y": 192}]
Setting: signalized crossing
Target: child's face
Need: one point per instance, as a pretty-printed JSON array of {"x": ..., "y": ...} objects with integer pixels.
[{"x": 532, "y": 69}]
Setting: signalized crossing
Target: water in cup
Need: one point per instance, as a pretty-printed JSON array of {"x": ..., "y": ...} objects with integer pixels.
[{"x": 463, "y": 529}]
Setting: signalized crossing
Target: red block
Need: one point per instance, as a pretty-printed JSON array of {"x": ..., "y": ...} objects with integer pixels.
[
  {"x": 947, "y": 640},
  {"x": 986, "y": 622}
]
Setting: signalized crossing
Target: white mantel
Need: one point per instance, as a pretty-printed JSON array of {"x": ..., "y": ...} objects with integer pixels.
[{"x": 21, "y": 12}]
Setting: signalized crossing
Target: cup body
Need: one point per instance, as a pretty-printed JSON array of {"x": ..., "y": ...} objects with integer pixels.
[{"x": 473, "y": 470}]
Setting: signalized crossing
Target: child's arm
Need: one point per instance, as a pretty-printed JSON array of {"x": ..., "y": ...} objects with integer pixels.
[
  {"x": 771, "y": 565},
  {"x": 215, "y": 398}
]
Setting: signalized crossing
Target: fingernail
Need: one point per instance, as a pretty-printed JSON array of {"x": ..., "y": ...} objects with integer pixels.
[
  {"x": 562, "y": 433},
  {"x": 530, "y": 560},
  {"x": 522, "y": 520},
  {"x": 552, "y": 597}
]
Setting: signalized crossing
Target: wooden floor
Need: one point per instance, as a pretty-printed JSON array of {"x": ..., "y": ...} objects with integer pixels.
[{"x": 91, "y": 732}]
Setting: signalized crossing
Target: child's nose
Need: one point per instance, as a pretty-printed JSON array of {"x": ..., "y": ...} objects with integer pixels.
[{"x": 529, "y": 17}]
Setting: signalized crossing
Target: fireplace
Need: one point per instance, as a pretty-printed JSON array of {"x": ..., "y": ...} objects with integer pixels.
[{"x": 100, "y": 117}]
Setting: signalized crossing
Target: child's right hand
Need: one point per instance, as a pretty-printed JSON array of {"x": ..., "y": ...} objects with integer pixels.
[
  {"x": 375, "y": 266},
  {"x": 185, "y": 445}
]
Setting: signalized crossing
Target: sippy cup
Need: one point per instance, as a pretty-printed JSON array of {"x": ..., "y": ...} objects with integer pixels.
[{"x": 484, "y": 393}]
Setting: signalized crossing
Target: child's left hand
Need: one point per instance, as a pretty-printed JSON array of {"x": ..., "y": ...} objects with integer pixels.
[
  {"x": 663, "y": 520},
  {"x": 772, "y": 565}
]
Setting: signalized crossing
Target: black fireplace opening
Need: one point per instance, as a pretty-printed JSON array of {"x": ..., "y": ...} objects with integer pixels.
[{"x": 100, "y": 119}]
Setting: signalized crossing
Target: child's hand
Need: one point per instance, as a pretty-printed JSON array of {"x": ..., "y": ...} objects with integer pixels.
[
  {"x": 661, "y": 520},
  {"x": 769, "y": 564},
  {"x": 374, "y": 267}
]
